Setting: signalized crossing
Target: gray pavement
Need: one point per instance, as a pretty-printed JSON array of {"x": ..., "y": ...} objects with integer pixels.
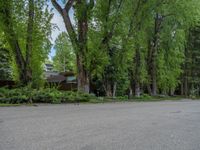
[{"x": 165, "y": 125}]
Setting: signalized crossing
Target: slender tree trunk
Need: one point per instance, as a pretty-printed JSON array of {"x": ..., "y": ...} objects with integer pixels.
[
  {"x": 186, "y": 93},
  {"x": 171, "y": 92},
  {"x": 64, "y": 64},
  {"x": 182, "y": 88},
  {"x": 149, "y": 61},
  {"x": 19, "y": 60},
  {"x": 154, "y": 77},
  {"x": 114, "y": 89},
  {"x": 130, "y": 74},
  {"x": 108, "y": 90},
  {"x": 137, "y": 73},
  {"x": 164, "y": 92},
  {"x": 184, "y": 82},
  {"x": 186, "y": 72},
  {"x": 29, "y": 41},
  {"x": 153, "y": 54},
  {"x": 149, "y": 89},
  {"x": 137, "y": 89},
  {"x": 130, "y": 92}
]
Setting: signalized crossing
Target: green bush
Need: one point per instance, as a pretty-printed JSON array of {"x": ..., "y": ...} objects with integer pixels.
[
  {"x": 122, "y": 97},
  {"x": 73, "y": 97},
  {"x": 14, "y": 96},
  {"x": 144, "y": 96},
  {"x": 47, "y": 95}
]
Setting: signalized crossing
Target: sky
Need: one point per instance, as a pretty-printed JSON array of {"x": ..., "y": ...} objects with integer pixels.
[{"x": 57, "y": 19}]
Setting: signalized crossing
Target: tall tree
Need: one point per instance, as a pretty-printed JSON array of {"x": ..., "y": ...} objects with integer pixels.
[
  {"x": 33, "y": 18},
  {"x": 78, "y": 36},
  {"x": 190, "y": 77},
  {"x": 8, "y": 28},
  {"x": 108, "y": 17},
  {"x": 64, "y": 60}
]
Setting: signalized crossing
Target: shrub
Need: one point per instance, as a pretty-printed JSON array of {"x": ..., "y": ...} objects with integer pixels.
[
  {"x": 3, "y": 92},
  {"x": 144, "y": 96},
  {"x": 13, "y": 96},
  {"x": 47, "y": 95},
  {"x": 122, "y": 97},
  {"x": 72, "y": 97}
]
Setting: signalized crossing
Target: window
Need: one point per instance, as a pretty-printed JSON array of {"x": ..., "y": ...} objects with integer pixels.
[{"x": 71, "y": 79}]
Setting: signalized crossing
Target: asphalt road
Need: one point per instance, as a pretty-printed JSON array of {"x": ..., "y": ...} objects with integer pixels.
[{"x": 115, "y": 126}]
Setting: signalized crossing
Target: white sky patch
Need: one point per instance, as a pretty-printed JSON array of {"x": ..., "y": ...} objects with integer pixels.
[{"x": 58, "y": 21}]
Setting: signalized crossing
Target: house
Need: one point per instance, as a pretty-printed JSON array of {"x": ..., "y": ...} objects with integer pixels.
[
  {"x": 49, "y": 71},
  {"x": 48, "y": 67},
  {"x": 64, "y": 81}
]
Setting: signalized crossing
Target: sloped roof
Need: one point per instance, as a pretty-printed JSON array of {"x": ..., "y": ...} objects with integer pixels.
[
  {"x": 56, "y": 78},
  {"x": 68, "y": 73}
]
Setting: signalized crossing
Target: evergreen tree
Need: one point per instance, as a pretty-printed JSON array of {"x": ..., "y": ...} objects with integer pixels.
[{"x": 64, "y": 60}]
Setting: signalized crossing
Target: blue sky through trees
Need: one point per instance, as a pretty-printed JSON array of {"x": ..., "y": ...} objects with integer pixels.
[{"x": 57, "y": 19}]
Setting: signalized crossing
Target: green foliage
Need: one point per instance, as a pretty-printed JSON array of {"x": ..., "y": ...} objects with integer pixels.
[
  {"x": 118, "y": 43},
  {"x": 64, "y": 60},
  {"x": 143, "y": 97},
  {"x": 48, "y": 95},
  {"x": 122, "y": 84},
  {"x": 14, "y": 24},
  {"x": 191, "y": 67},
  {"x": 13, "y": 96},
  {"x": 5, "y": 61},
  {"x": 194, "y": 93}
]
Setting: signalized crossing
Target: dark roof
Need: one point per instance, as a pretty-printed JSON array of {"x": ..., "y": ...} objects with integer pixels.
[
  {"x": 68, "y": 73},
  {"x": 56, "y": 78},
  {"x": 49, "y": 65}
]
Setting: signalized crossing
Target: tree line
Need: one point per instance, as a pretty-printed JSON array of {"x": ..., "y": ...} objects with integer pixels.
[{"x": 119, "y": 46}]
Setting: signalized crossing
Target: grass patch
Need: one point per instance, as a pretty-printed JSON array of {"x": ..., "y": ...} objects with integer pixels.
[
  {"x": 144, "y": 98},
  {"x": 158, "y": 98},
  {"x": 15, "y": 105},
  {"x": 9, "y": 105}
]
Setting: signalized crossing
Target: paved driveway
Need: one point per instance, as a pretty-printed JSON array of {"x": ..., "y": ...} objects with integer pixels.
[{"x": 114, "y": 126}]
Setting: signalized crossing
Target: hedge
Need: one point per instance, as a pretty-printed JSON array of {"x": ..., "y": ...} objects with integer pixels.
[{"x": 47, "y": 95}]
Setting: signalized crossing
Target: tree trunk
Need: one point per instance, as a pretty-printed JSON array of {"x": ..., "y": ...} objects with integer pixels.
[
  {"x": 182, "y": 87},
  {"x": 153, "y": 54},
  {"x": 83, "y": 74},
  {"x": 83, "y": 77},
  {"x": 19, "y": 60},
  {"x": 114, "y": 89},
  {"x": 164, "y": 92},
  {"x": 149, "y": 89},
  {"x": 108, "y": 90},
  {"x": 154, "y": 82},
  {"x": 14, "y": 43},
  {"x": 171, "y": 92},
  {"x": 137, "y": 89},
  {"x": 130, "y": 95},
  {"x": 29, "y": 41},
  {"x": 64, "y": 64},
  {"x": 186, "y": 93},
  {"x": 137, "y": 73},
  {"x": 79, "y": 39}
]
